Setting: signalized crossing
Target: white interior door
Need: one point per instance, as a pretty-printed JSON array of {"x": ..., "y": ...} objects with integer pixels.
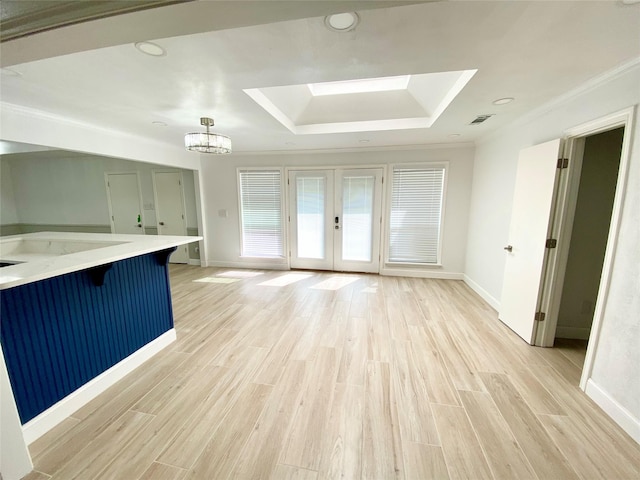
[
  {"x": 125, "y": 203},
  {"x": 335, "y": 219},
  {"x": 170, "y": 210},
  {"x": 530, "y": 222}
]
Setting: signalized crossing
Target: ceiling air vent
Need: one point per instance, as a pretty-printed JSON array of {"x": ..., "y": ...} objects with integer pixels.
[{"x": 480, "y": 119}]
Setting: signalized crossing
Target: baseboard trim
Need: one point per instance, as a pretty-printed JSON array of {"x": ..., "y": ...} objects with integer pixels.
[
  {"x": 617, "y": 412},
  {"x": 264, "y": 265},
  {"x": 195, "y": 261},
  {"x": 399, "y": 272},
  {"x": 38, "y": 426},
  {"x": 579, "y": 333},
  {"x": 495, "y": 304}
]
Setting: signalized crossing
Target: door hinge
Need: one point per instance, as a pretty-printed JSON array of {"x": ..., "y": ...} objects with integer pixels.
[
  {"x": 179, "y": 182},
  {"x": 539, "y": 317},
  {"x": 551, "y": 243},
  {"x": 288, "y": 182},
  {"x": 563, "y": 162},
  {"x": 382, "y": 179},
  {"x": 112, "y": 218}
]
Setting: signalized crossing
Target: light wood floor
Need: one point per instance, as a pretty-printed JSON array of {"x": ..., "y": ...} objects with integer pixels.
[{"x": 311, "y": 375}]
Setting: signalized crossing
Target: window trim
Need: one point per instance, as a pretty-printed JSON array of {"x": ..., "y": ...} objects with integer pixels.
[
  {"x": 389, "y": 203},
  {"x": 283, "y": 224}
]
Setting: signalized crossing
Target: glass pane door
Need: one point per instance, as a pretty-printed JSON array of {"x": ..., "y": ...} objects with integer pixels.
[
  {"x": 358, "y": 201},
  {"x": 334, "y": 219},
  {"x": 311, "y": 197}
]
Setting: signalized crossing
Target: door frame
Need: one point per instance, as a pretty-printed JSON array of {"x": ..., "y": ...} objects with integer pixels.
[
  {"x": 383, "y": 202},
  {"x": 140, "y": 201},
  {"x": 563, "y": 222}
]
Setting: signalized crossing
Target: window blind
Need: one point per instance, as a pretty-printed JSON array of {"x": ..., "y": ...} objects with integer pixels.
[
  {"x": 311, "y": 218},
  {"x": 357, "y": 217},
  {"x": 261, "y": 213},
  {"x": 416, "y": 208}
]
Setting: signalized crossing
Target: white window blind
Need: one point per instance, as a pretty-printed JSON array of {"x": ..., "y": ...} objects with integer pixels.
[
  {"x": 311, "y": 219},
  {"x": 261, "y": 213},
  {"x": 357, "y": 217},
  {"x": 416, "y": 207}
]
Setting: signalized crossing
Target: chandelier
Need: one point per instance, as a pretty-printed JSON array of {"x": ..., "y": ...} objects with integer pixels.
[{"x": 207, "y": 142}]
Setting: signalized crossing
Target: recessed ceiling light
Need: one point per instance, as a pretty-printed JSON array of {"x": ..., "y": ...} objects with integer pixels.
[
  {"x": 159, "y": 124},
  {"x": 290, "y": 143},
  {"x": 454, "y": 135},
  {"x": 503, "y": 101},
  {"x": 342, "y": 22},
  {"x": 364, "y": 140},
  {"x": 151, "y": 49}
]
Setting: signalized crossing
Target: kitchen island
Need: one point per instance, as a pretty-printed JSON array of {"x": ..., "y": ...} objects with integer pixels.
[{"x": 77, "y": 313}]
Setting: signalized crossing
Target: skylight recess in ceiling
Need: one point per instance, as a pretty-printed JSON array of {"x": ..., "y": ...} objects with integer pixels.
[
  {"x": 362, "y": 105},
  {"x": 382, "y": 84}
]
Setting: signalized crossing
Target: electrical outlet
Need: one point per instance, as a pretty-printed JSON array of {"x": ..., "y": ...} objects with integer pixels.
[{"x": 222, "y": 213}]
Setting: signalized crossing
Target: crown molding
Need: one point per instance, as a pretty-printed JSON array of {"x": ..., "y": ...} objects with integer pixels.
[{"x": 560, "y": 100}]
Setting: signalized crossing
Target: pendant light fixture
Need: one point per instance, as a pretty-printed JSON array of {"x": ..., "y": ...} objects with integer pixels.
[{"x": 207, "y": 142}]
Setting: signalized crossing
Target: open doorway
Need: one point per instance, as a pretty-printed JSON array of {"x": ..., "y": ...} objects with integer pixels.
[{"x": 589, "y": 234}]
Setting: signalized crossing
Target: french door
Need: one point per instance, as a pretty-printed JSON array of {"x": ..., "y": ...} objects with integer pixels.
[{"x": 334, "y": 219}]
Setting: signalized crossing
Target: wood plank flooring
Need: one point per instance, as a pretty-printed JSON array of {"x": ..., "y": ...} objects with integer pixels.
[{"x": 307, "y": 375}]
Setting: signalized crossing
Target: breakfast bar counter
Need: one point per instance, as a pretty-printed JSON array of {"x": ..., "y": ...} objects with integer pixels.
[{"x": 77, "y": 312}]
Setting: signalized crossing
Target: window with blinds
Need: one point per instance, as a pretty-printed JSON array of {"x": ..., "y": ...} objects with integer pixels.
[
  {"x": 261, "y": 213},
  {"x": 416, "y": 215}
]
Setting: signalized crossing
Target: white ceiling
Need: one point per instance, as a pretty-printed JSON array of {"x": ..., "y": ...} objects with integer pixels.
[{"x": 533, "y": 51}]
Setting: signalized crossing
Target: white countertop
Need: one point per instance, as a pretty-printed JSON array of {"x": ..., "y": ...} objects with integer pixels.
[{"x": 50, "y": 254}]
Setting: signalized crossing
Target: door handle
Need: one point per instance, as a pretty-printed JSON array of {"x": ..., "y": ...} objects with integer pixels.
[
  {"x": 508, "y": 248},
  {"x": 161, "y": 223},
  {"x": 337, "y": 220},
  {"x": 139, "y": 225}
]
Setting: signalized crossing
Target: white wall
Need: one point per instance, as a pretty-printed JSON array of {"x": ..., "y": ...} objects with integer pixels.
[
  {"x": 617, "y": 354},
  {"x": 71, "y": 191},
  {"x": 220, "y": 193},
  {"x": 8, "y": 213}
]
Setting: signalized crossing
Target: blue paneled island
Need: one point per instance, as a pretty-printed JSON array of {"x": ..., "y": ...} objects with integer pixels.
[{"x": 77, "y": 313}]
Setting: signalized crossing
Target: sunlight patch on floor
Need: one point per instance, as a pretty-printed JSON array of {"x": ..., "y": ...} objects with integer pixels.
[
  {"x": 217, "y": 280},
  {"x": 286, "y": 279},
  {"x": 335, "y": 283},
  {"x": 238, "y": 274}
]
